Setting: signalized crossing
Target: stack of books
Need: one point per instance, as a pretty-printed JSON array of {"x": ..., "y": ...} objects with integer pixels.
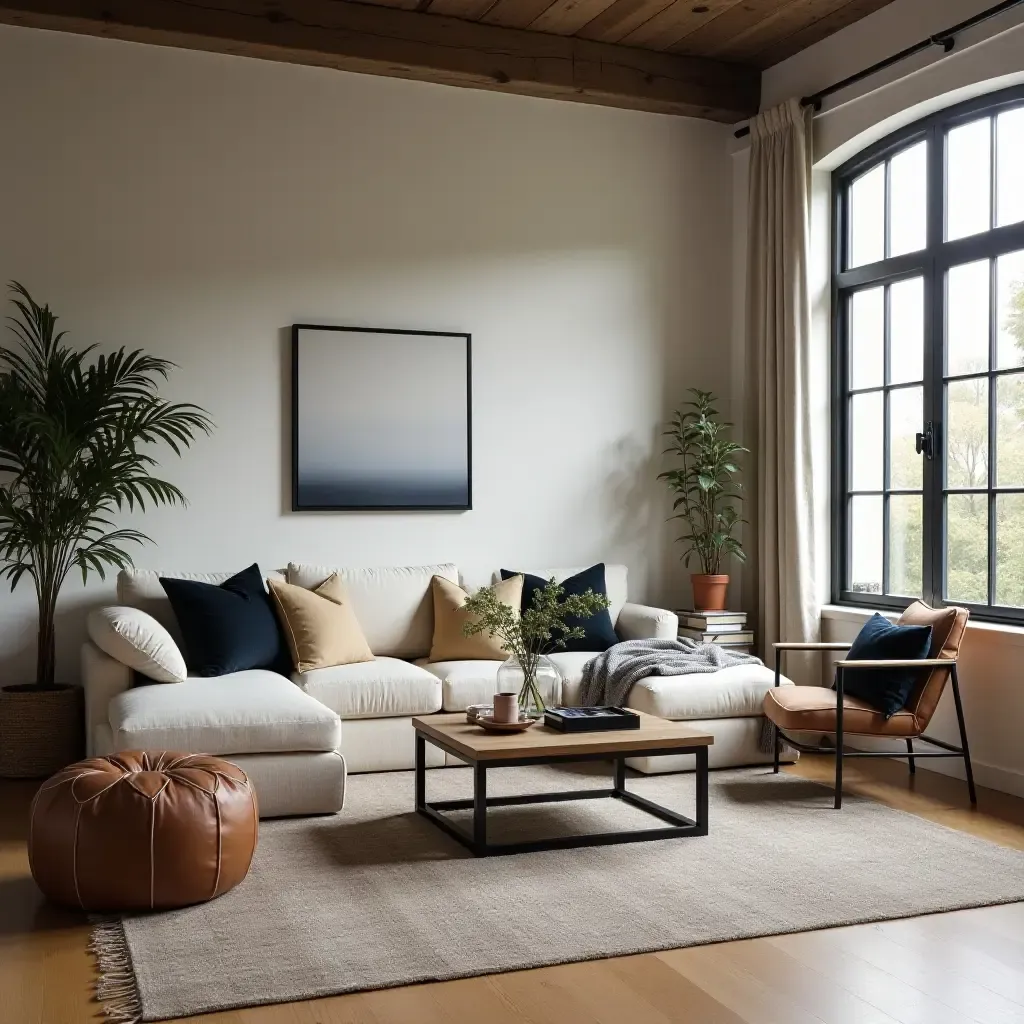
[{"x": 727, "y": 629}]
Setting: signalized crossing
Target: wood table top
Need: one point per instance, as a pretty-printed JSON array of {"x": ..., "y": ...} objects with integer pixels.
[{"x": 476, "y": 744}]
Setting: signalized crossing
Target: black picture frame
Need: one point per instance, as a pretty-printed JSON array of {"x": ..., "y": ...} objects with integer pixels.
[{"x": 300, "y": 505}]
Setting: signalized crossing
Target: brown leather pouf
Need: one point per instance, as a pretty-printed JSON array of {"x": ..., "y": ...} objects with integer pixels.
[{"x": 142, "y": 831}]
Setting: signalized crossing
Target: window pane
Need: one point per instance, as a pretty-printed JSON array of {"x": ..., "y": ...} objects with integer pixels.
[
  {"x": 967, "y": 433},
  {"x": 1010, "y": 549},
  {"x": 867, "y": 328},
  {"x": 906, "y": 415},
  {"x": 866, "y": 434},
  {"x": 867, "y": 217},
  {"x": 906, "y": 330},
  {"x": 968, "y": 177},
  {"x": 967, "y": 308},
  {"x": 866, "y": 544},
  {"x": 1010, "y": 308},
  {"x": 908, "y": 200},
  {"x": 905, "y": 551},
  {"x": 967, "y": 548},
  {"x": 1010, "y": 167},
  {"x": 1010, "y": 430}
]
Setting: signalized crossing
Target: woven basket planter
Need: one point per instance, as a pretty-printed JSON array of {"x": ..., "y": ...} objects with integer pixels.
[{"x": 41, "y": 731}]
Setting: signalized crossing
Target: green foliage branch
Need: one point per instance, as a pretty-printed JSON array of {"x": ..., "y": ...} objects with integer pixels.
[
  {"x": 704, "y": 482},
  {"x": 74, "y": 429},
  {"x": 527, "y": 634}
]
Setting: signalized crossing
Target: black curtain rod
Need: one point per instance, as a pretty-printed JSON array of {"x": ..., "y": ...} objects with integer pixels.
[{"x": 945, "y": 39}]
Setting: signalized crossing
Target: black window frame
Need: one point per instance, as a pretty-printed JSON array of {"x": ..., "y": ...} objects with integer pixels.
[{"x": 931, "y": 263}]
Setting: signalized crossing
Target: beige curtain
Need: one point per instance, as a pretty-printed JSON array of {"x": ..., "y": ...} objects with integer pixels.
[{"x": 778, "y": 336}]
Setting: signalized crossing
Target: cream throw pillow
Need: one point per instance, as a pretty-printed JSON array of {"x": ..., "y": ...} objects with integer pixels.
[
  {"x": 320, "y": 625},
  {"x": 450, "y": 643},
  {"x": 136, "y": 639}
]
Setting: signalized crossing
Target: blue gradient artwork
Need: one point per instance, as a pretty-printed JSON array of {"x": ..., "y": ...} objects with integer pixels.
[{"x": 380, "y": 419}]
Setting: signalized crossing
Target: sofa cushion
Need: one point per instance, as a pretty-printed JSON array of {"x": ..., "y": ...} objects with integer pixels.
[
  {"x": 570, "y": 666},
  {"x": 392, "y": 604},
  {"x": 253, "y": 712},
  {"x": 465, "y": 682},
  {"x": 734, "y": 692},
  {"x": 382, "y": 688},
  {"x": 141, "y": 588},
  {"x": 471, "y": 682}
]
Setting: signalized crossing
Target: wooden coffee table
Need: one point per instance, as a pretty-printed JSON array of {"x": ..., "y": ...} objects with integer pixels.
[{"x": 541, "y": 745}]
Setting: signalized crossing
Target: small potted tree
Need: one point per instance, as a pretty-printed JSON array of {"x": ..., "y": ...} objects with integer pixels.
[
  {"x": 76, "y": 431},
  {"x": 705, "y": 490}
]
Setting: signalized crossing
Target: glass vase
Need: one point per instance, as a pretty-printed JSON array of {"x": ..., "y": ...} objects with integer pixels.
[{"x": 537, "y": 681}]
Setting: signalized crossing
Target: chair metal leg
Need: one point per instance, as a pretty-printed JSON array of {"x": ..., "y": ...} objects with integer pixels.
[
  {"x": 839, "y": 738},
  {"x": 910, "y": 760},
  {"x": 778, "y": 738},
  {"x": 963, "y": 735}
]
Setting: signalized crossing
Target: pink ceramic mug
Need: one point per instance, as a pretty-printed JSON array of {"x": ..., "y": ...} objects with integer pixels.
[{"x": 506, "y": 707}]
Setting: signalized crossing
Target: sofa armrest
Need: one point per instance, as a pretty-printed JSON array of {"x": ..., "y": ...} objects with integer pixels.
[
  {"x": 639, "y": 622},
  {"x": 103, "y": 678}
]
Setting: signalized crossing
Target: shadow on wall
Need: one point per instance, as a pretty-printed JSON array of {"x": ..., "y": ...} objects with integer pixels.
[{"x": 628, "y": 500}]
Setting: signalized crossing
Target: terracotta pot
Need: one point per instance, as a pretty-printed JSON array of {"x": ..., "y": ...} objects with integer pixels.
[
  {"x": 709, "y": 592},
  {"x": 41, "y": 731}
]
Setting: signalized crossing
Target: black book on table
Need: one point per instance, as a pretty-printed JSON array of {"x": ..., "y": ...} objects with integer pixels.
[{"x": 599, "y": 719}]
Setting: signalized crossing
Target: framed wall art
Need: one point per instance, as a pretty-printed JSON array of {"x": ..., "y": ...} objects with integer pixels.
[{"x": 381, "y": 419}]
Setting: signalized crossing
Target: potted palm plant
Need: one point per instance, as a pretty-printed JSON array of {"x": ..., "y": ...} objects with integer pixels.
[
  {"x": 76, "y": 433},
  {"x": 705, "y": 490}
]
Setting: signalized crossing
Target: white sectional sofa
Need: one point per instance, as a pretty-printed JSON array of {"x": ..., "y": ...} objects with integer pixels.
[{"x": 295, "y": 737}]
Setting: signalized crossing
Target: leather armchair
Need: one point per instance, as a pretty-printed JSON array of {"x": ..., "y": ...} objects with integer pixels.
[{"x": 822, "y": 710}]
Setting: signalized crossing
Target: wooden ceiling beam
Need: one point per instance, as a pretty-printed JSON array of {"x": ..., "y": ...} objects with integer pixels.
[{"x": 409, "y": 44}]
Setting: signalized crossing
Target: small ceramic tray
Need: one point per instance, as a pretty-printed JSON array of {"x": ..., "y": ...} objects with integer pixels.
[{"x": 488, "y": 723}]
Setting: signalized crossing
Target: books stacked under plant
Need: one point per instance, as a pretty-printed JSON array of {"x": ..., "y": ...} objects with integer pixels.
[{"x": 725, "y": 628}]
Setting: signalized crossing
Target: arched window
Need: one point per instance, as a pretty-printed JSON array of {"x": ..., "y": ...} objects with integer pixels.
[{"x": 928, "y": 364}]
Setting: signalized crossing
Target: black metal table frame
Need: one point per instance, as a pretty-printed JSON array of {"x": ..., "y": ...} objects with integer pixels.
[{"x": 679, "y": 825}]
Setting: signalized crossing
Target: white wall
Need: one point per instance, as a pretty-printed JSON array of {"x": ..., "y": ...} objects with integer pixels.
[
  {"x": 197, "y": 205},
  {"x": 985, "y": 59}
]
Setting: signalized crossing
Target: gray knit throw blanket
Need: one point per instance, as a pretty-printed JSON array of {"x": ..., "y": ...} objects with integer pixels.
[{"x": 607, "y": 678}]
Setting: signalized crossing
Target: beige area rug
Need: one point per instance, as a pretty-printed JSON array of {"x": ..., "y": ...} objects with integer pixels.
[{"x": 377, "y": 896}]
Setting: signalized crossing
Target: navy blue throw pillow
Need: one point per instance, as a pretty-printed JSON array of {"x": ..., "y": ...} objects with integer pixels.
[
  {"x": 230, "y": 627},
  {"x": 600, "y": 633},
  {"x": 880, "y": 640}
]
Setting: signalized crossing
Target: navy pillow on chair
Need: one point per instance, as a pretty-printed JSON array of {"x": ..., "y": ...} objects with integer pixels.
[
  {"x": 600, "y": 633},
  {"x": 880, "y": 640},
  {"x": 230, "y": 627}
]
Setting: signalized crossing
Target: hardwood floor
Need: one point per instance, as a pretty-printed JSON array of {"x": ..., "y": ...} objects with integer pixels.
[{"x": 953, "y": 968}]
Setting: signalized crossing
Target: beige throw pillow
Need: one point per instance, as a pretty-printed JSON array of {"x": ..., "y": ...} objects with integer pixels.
[
  {"x": 450, "y": 643},
  {"x": 320, "y": 625}
]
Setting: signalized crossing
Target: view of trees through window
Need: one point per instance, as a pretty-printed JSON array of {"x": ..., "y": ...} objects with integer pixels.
[{"x": 950, "y": 527}]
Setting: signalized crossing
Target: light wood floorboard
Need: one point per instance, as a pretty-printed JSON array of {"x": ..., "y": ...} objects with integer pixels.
[{"x": 960, "y": 968}]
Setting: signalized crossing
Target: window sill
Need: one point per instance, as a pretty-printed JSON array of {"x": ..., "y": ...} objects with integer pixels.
[{"x": 993, "y": 632}]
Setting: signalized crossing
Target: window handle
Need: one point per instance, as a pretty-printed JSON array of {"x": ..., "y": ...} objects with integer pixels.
[{"x": 924, "y": 442}]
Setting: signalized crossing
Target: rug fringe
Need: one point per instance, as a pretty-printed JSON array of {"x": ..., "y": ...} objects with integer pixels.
[
  {"x": 116, "y": 989},
  {"x": 766, "y": 740}
]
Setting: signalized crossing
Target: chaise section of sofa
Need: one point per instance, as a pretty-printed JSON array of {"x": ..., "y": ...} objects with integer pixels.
[{"x": 285, "y": 740}]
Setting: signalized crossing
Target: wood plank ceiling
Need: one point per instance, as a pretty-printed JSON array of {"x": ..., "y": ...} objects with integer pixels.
[
  {"x": 756, "y": 33},
  {"x": 697, "y": 58}
]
